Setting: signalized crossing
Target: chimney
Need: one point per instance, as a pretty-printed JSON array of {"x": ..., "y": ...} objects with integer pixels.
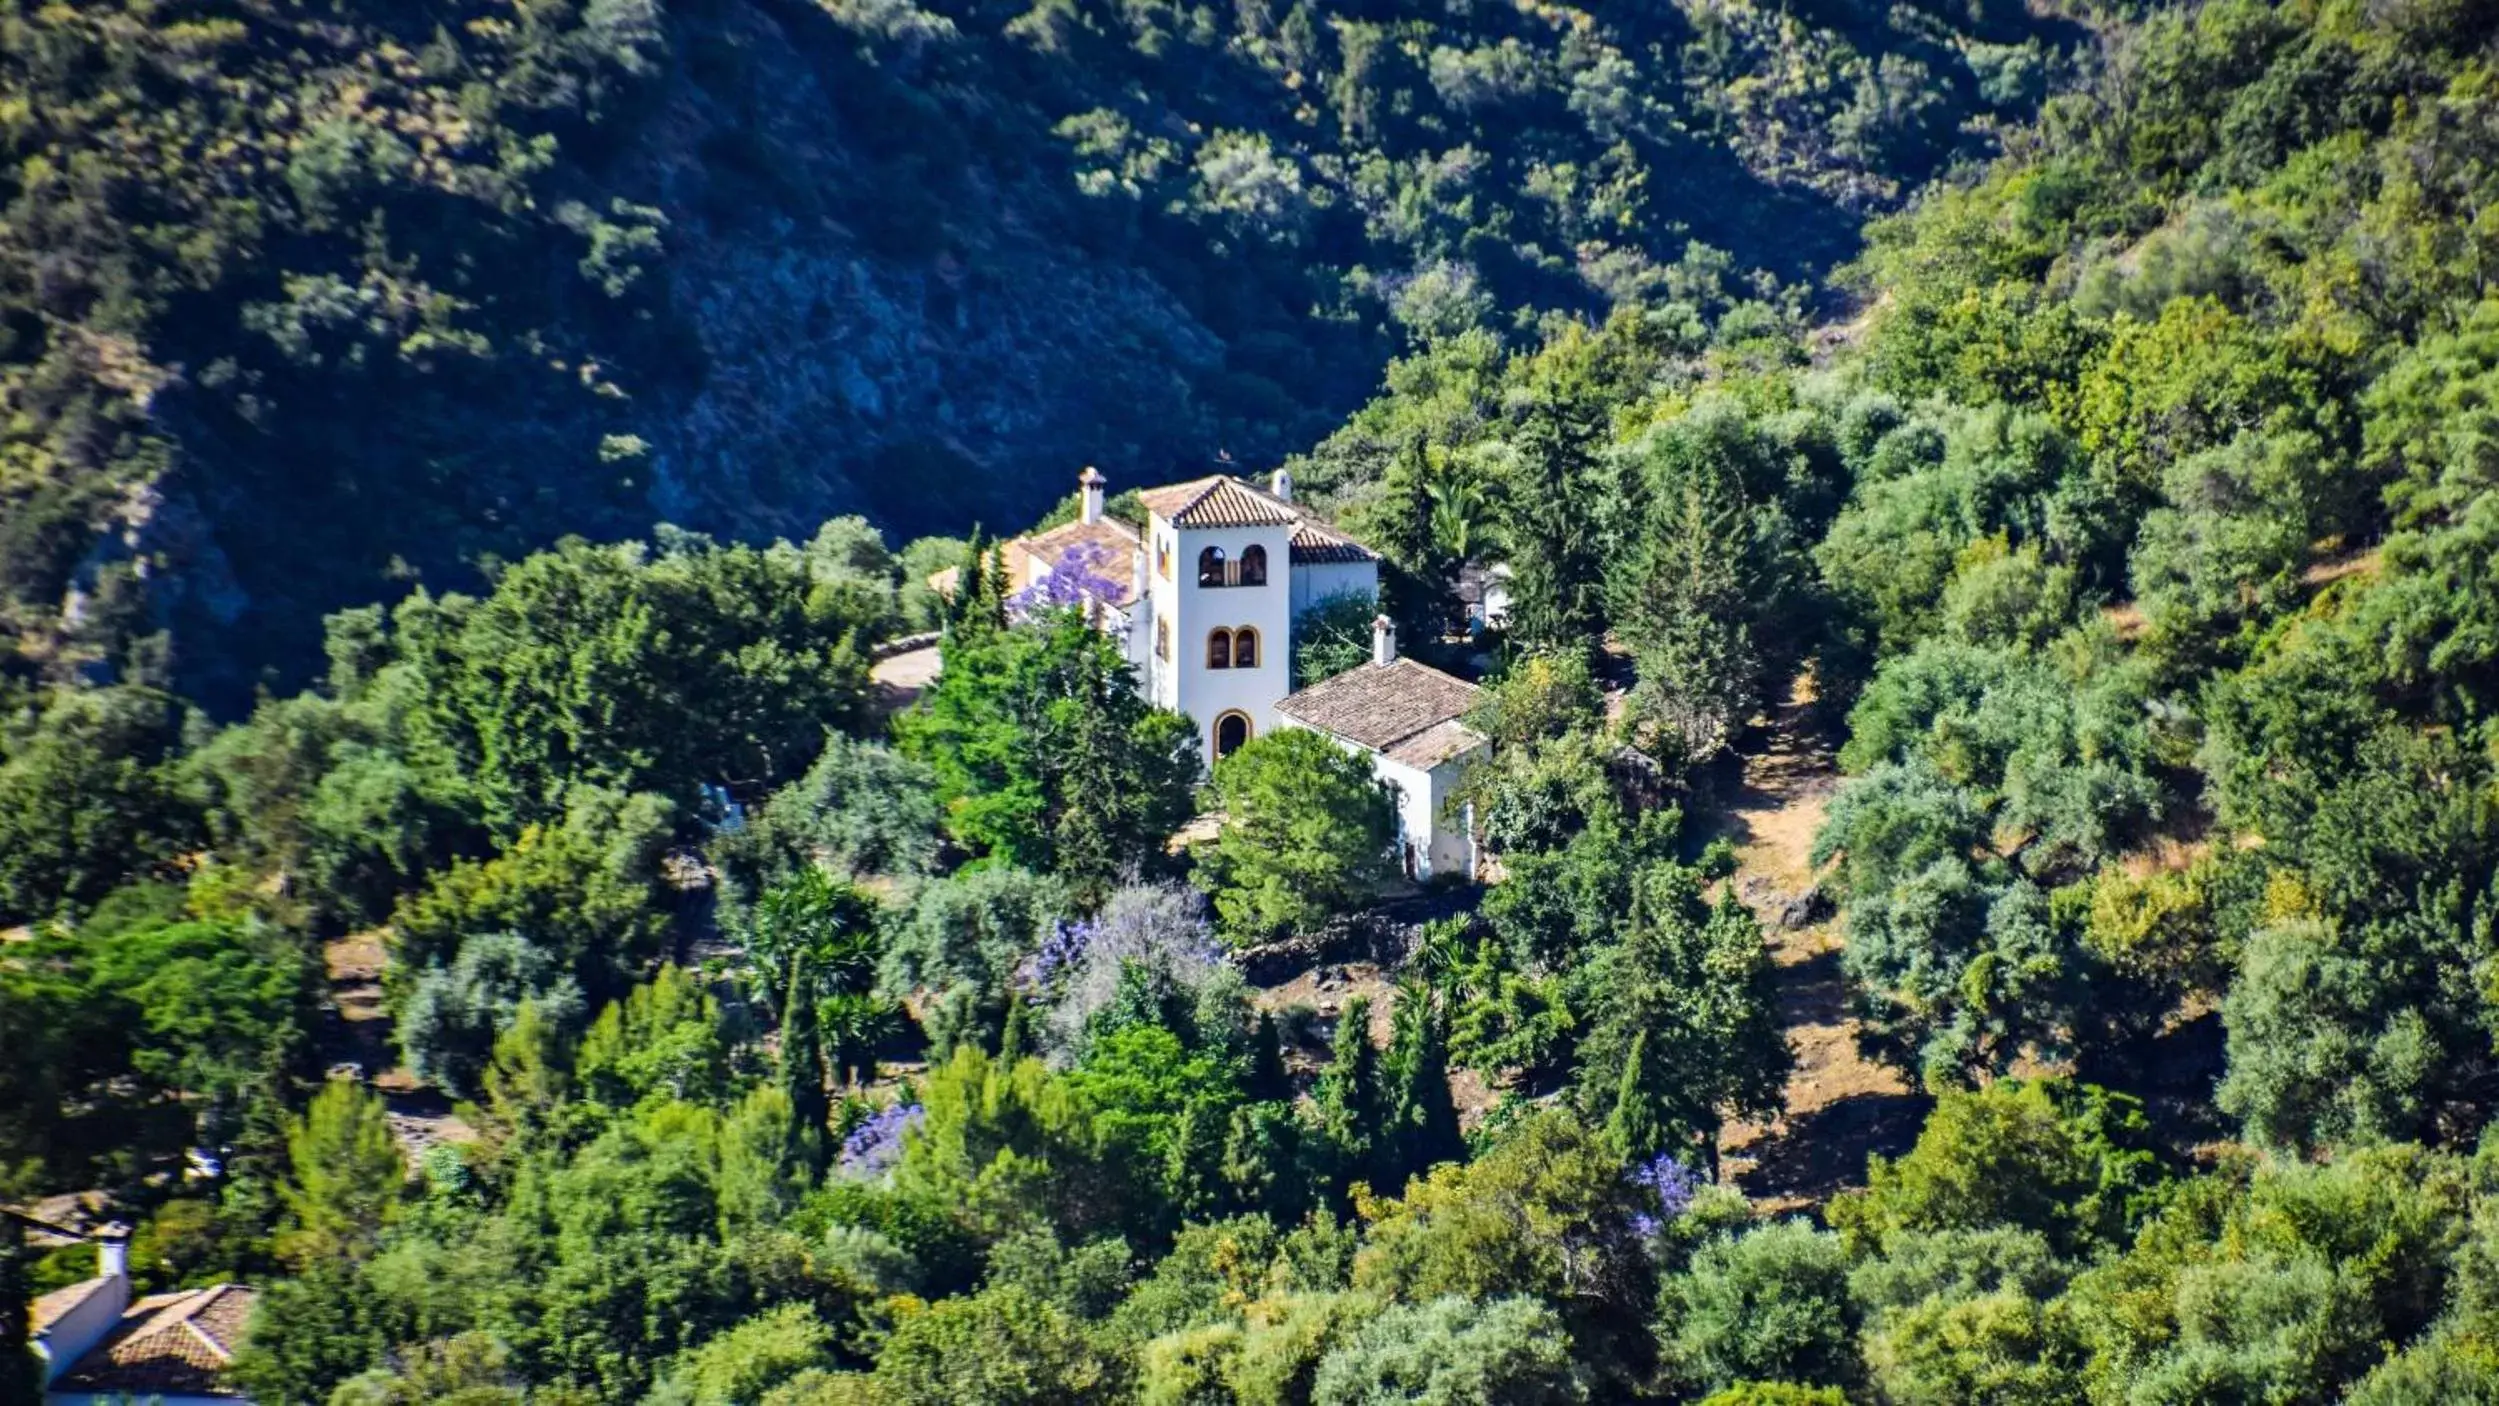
[
  {"x": 1383, "y": 640},
  {"x": 1282, "y": 484},
  {"x": 1091, "y": 482},
  {"x": 112, "y": 1251}
]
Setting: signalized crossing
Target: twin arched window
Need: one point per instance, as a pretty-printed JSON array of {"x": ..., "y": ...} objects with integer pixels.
[
  {"x": 1250, "y": 570},
  {"x": 1232, "y": 649}
]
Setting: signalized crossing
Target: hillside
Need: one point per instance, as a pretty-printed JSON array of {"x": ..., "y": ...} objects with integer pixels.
[{"x": 299, "y": 304}]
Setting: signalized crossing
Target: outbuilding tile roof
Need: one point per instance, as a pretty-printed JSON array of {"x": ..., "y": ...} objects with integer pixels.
[
  {"x": 1412, "y": 712},
  {"x": 177, "y": 1344}
]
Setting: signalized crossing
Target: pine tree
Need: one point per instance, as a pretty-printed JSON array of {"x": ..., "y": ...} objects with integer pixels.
[{"x": 1348, "y": 1094}]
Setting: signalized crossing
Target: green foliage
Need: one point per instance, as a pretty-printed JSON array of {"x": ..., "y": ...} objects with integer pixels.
[
  {"x": 86, "y": 798},
  {"x": 1306, "y": 834},
  {"x": 582, "y": 890},
  {"x": 1046, "y": 755},
  {"x": 1332, "y": 637},
  {"x": 1001, "y": 1347},
  {"x": 610, "y": 666},
  {"x": 345, "y": 1178},
  {"x": 1767, "y": 1305},
  {"x": 1681, "y": 1023},
  {"x": 2068, "y": 1162},
  {"x": 1453, "y": 1352},
  {"x": 450, "y": 1020}
]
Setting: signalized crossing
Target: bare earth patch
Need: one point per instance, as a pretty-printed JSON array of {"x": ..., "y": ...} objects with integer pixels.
[{"x": 1840, "y": 1105}]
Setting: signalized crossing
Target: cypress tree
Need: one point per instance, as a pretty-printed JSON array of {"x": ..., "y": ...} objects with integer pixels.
[
  {"x": 802, "y": 1069},
  {"x": 1634, "y": 1127},
  {"x": 1268, "y": 1080},
  {"x": 1349, "y": 1092},
  {"x": 1423, "y": 1115}
]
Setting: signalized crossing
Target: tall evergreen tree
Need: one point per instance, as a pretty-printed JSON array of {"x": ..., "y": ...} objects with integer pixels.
[
  {"x": 1422, "y": 1117},
  {"x": 1557, "y": 580},
  {"x": 1348, "y": 1093},
  {"x": 1268, "y": 1081}
]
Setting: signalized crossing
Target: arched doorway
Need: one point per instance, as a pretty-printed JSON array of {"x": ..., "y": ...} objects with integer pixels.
[{"x": 1231, "y": 730}]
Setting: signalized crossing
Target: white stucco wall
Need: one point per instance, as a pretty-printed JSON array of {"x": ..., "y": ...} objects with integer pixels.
[
  {"x": 1319, "y": 580},
  {"x": 1184, "y": 682},
  {"x": 73, "y": 1333},
  {"x": 1440, "y": 832}
]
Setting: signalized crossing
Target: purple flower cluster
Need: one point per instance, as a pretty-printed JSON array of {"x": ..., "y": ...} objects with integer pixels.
[
  {"x": 876, "y": 1144},
  {"x": 1673, "y": 1184},
  {"x": 1061, "y": 952},
  {"x": 1078, "y": 579}
]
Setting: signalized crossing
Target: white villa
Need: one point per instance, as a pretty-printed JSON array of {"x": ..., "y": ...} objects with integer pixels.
[{"x": 1205, "y": 598}]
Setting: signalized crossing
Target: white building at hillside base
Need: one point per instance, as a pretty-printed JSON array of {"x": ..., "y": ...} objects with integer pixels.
[
  {"x": 1205, "y": 598},
  {"x": 1409, "y": 719}
]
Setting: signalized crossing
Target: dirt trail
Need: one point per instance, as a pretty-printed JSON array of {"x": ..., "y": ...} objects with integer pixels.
[
  {"x": 1840, "y": 1106},
  {"x": 355, "y": 1042}
]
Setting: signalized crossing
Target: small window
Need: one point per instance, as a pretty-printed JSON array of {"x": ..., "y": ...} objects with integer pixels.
[
  {"x": 1162, "y": 638},
  {"x": 1219, "y": 649},
  {"x": 1210, "y": 567},
  {"x": 1162, "y": 558},
  {"x": 1231, "y": 730},
  {"x": 1245, "y": 642},
  {"x": 1254, "y": 566}
]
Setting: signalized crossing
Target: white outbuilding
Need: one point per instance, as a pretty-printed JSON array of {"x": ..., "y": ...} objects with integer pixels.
[{"x": 1409, "y": 719}]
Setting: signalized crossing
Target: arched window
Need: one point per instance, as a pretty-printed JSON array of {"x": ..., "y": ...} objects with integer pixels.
[
  {"x": 1218, "y": 649},
  {"x": 1210, "y": 567},
  {"x": 1231, "y": 730},
  {"x": 1245, "y": 644},
  {"x": 1254, "y": 566}
]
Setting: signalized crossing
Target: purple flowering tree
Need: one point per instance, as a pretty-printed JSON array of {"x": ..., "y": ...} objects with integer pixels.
[
  {"x": 1671, "y": 1185},
  {"x": 1080, "y": 579},
  {"x": 875, "y": 1145},
  {"x": 1157, "y": 934}
]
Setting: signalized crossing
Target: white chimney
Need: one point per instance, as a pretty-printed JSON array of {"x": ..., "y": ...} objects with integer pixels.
[
  {"x": 112, "y": 1251},
  {"x": 1383, "y": 640},
  {"x": 1091, "y": 482},
  {"x": 1282, "y": 484}
]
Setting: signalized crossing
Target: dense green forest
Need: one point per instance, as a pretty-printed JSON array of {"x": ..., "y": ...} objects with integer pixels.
[
  {"x": 300, "y": 302},
  {"x": 2088, "y": 420}
]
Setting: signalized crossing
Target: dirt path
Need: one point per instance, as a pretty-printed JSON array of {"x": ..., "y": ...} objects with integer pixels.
[
  {"x": 356, "y": 1043},
  {"x": 1840, "y": 1106}
]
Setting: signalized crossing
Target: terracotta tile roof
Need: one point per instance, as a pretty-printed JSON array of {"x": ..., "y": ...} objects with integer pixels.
[
  {"x": 1117, "y": 540},
  {"x": 169, "y": 1344},
  {"x": 1222, "y": 501},
  {"x": 1404, "y": 709},
  {"x": 1218, "y": 501},
  {"x": 1437, "y": 744},
  {"x": 1315, "y": 541},
  {"x": 51, "y": 1308}
]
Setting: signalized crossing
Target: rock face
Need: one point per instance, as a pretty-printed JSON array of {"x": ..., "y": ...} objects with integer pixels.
[{"x": 381, "y": 294}]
